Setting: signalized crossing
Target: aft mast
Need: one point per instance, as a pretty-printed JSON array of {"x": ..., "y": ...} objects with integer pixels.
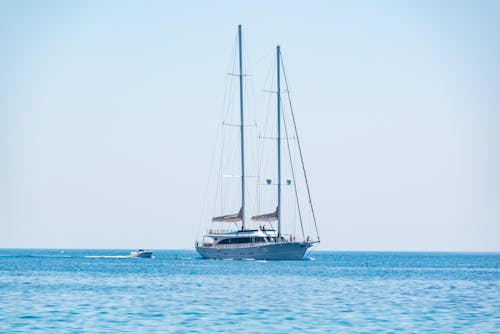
[
  {"x": 242, "y": 133},
  {"x": 279, "y": 137}
]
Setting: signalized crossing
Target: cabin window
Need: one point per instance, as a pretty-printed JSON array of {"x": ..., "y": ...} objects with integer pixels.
[{"x": 235, "y": 241}]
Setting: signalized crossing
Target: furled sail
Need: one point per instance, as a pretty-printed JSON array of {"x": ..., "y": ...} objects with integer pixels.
[
  {"x": 229, "y": 218},
  {"x": 268, "y": 217}
]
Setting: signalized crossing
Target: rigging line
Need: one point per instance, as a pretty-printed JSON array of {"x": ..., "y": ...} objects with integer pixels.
[
  {"x": 237, "y": 75},
  {"x": 252, "y": 156},
  {"x": 249, "y": 87},
  {"x": 275, "y": 138},
  {"x": 269, "y": 101},
  {"x": 233, "y": 151},
  {"x": 272, "y": 50},
  {"x": 232, "y": 53},
  {"x": 207, "y": 184},
  {"x": 228, "y": 68},
  {"x": 230, "y": 82},
  {"x": 228, "y": 97},
  {"x": 262, "y": 113},
  {"x": 219, "y": 173},
  {"x": 274, "y": 92},
  {"x": 224, "y": 161},
  {"x": 219, "y": 176},
  {"x": 265, "y": 122},
  {"x": 300, "y": 150},
  {"x": 238, "y": 125},
  {"x": 256, "y": 204},
  {"x": 219, "y": 135},
  {"x": 252, "y": 105},
  {"x": 228, "y": 103},
  {"x": 293, "y": 176}
]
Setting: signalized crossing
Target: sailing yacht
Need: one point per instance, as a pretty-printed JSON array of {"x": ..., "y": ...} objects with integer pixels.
[{"x": 258, "y": 239}]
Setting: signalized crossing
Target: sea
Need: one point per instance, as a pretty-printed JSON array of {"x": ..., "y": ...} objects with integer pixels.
[{"x": 104, "y": 291}]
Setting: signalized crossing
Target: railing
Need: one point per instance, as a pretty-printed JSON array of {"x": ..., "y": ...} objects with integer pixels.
[
  {"x": 204, "y": 244},
  {"x": 221, "y": 231},
  {"x": 242, "y": 245}
]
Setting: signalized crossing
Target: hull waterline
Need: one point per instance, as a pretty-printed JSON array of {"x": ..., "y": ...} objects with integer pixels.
[{"x": 274, "y": 251}]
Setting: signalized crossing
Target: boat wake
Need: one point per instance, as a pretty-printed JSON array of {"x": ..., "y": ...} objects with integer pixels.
[{"x": 108, "y": 257}]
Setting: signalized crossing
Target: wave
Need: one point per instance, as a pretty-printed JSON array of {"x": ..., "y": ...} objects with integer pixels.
[{"x": 36, "y": 256}]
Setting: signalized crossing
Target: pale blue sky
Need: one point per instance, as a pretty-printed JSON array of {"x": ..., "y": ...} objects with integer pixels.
[{"x": 108, "y": 114}]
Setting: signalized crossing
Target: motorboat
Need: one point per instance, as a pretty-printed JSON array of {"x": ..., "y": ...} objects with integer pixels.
[{"x": 141, "y": 253}]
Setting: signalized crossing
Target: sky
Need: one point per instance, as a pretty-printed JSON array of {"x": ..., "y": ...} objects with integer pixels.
[{"x": 109, "y": 112}]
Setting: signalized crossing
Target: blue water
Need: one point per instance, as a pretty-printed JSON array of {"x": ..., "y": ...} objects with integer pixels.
[{"x": 47, "y": 291}]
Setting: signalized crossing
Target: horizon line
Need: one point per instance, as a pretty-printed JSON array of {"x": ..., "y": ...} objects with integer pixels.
[{"x": 314, "y": 251}]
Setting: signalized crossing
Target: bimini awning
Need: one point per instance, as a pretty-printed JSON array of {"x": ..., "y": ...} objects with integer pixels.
[
  {"x": 268, "y": 217},
  {"x": 229, "y": 218}
]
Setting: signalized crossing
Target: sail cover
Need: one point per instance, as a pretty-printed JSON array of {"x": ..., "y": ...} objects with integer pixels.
[
  {"x": 268, "y": 217},
  {"x": 229, "y": 218}
]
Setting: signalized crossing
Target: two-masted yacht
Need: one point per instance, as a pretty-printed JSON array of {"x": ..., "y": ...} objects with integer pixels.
[{"x": 263, "y": 236}]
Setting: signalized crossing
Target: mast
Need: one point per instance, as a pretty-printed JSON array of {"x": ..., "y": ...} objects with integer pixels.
[
  {"x": 279, "y": 137},
  {"x": 242, "y": 134}
]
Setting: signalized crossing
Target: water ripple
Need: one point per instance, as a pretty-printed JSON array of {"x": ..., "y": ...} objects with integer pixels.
[{"x": 97, "y": 291}]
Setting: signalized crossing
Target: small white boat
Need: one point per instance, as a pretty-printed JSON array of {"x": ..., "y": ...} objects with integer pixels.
[{"x": 141, "y": 253}]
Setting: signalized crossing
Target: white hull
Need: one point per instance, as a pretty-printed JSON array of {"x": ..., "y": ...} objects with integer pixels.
[
  {"x": 269, "y": 251},
  {"x": 145, "y": 255}
]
